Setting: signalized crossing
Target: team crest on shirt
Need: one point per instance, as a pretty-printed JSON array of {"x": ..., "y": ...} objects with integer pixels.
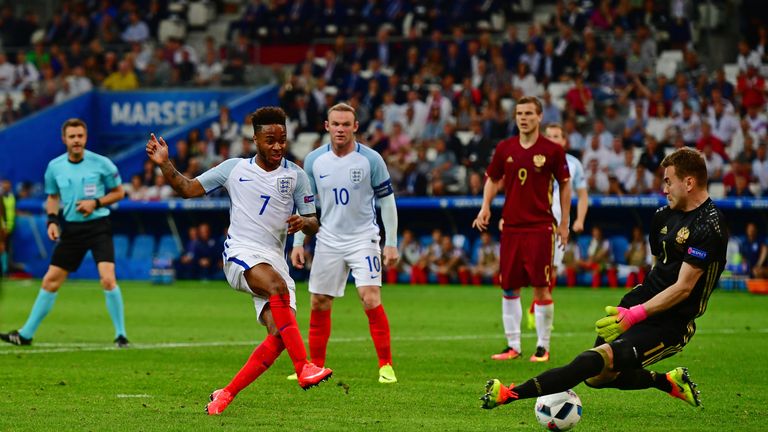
[
  {"x": 539, "y": 160},
  {"x": 356, "y": 175},
  {"x": 284, "y": 185},
  {"x": 510, "y": 160},
  {"x": 682, "y": 235},
  {"x": 663, "y": 230}
]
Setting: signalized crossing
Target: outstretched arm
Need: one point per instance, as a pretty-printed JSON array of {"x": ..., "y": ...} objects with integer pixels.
[{"x": 157, "y": 151}]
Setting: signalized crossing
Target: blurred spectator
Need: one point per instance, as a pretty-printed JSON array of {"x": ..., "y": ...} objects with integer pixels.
[
  {"x": 224, "y": 128},
  {"x": 209, "y": 71},
  {"x": 714, "y": 162},
  {"x": 637, "y": 258},
  {"x": 122, "y": 79},
  {"x": 26, "y": 73},
  {"x": 754, "y": 252},
  {"x": 760, "y": 167},
  {"x": 186, "y": 266},
  {"x": 7, "y": 224},
  {"x": 689, "y": 125},
  {"x": 599, "y": 259},
  {"x": 613, "y": 120},
  {"x": 450, "y": 261},
  {"x": 159, "y": 191},
  {"x": 579, "y": 98},
  {"x": 136, "y": 30},
  {"x": 136, "y": 190},
  {"x": 740, "y": 188},
  {"x": 7, "y": 73},
  {"x": 751, "y": 87},
  {"x": 486, "y": 269},
  {"x": 206, "y": 255},
  {"x": 412, "y": 261},
  {"x": 639, "y": 181}
]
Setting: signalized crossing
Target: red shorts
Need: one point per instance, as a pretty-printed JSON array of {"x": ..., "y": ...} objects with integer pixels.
[{"x": 526, "y": 258}]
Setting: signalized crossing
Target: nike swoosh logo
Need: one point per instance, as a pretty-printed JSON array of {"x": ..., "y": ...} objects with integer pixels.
[
  {"x": 374, "y": 276},
  {"x": 245, "y": 179},
  {"x": 324, "y": 176}
]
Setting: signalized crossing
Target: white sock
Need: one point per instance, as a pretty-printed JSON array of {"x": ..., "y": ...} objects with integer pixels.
[
  {"x": 544, "y": 314},
  {"x": 511, "y": 314}
]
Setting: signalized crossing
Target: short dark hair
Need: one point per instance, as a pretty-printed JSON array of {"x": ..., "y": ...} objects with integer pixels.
[
  {"x": 532, "y": 100},
  {"x": 269, "y": 115},
  {"x": 73, "y": 122},
  {"x": 687, "y": 162},
  {"x": 344, "y": 108}
]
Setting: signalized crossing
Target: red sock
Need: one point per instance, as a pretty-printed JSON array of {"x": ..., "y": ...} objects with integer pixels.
[
  {"x": 289, "y": 330},
  {"x": 259, "y": 361},
  {"x": 464, "y": 276},
  {"x": 631, "y": 280},
  {"x": 641, "y": 275},
  {"x": 613, "y": 278},
  {"x": 319, "y": 332},
  {"x": 379, "y": 325},
  {"x": 476, "y": 279},
  {"x": 443, "y": 279},
  {"x": 570, "y": 276},
  {"x": 391, "y": 275}
]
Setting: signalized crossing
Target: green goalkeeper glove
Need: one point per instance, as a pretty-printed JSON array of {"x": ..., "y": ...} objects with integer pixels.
[{"x": 618, "y": 321}]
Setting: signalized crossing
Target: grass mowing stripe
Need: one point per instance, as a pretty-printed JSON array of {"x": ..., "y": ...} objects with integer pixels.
[{"x": 50, "y": 348}]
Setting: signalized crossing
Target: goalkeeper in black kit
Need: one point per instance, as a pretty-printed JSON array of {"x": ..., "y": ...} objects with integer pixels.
[{"x": 656, "y": 319}]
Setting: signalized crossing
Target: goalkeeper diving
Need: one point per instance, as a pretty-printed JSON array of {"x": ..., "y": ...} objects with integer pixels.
[{"x": 655, "y": 320}]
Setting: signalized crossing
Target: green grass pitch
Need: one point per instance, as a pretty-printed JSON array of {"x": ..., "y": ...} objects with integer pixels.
[{"x": 191, "y": 337}]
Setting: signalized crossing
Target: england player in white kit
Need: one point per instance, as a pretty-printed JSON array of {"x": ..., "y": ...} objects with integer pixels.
[
  {"x": 347, "y": 178},
  {"x": 541, "y": 315},
  {"x": 264, "y": 191}
]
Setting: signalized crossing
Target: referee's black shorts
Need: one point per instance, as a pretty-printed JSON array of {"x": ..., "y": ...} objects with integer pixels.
[{"x": 77, "y": 238}]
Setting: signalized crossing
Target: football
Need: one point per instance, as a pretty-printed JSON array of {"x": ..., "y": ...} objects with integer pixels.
[{"x": 559, "y": 411}]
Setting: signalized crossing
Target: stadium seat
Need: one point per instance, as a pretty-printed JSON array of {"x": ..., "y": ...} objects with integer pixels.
[
  {"x": 143, "y": 247},
  {"x": 731, "y": 73},
  {"x": 122, "y": 244},
  {"x": 168, "y": 247},
  {"x": 710, "y": 16},
  {"x": 667, "y": 67},
  {"x": 305, "y": 143},
  {"x": 464, "y": 136},
  {"x": 619, "y": 245},
  {"x": 197, "y": 15},
  {"x": 170, "y": 28},
  {"x": 716, "y": 190}
]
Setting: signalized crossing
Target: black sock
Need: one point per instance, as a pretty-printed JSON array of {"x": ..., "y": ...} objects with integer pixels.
[
  {"x": 585, "y": 365},
  {"x": 633, "y": 379}
]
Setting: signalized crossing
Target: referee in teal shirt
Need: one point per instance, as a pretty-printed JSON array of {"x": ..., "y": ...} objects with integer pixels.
[{"x": 81, "y": 184}]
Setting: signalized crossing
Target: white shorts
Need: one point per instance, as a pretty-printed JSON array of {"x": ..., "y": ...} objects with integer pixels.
[
  {"x": 330, "y": 269},
  {"x": 235, "y": 266}
]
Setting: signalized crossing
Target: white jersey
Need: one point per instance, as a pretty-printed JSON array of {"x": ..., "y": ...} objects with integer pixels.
[
  {"x": 578, "y": 181},
  {"x": 260, "y": 202},
  {"x": 346, "y": 188}
]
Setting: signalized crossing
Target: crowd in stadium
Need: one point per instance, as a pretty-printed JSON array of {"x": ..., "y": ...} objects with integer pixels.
[
  {"x": 435, "y": 101},
  {"x": 434, "y": 93}
]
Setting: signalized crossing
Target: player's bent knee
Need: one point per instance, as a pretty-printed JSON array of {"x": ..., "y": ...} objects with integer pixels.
[
  {"x": 321, "y": 302},
  {"x": 625, "y": 355}
]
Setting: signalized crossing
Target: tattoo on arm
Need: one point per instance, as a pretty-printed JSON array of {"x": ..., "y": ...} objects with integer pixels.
[{"x": 180, "y": 183}]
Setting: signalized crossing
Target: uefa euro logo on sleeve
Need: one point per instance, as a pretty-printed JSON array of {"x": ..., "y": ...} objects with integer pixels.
[{"x": 285, "y": 185}]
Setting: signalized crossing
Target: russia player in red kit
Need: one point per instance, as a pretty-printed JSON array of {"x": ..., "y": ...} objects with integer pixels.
[{"x": 528, "y": 165}]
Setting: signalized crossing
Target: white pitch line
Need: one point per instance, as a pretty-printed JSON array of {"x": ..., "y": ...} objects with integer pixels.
[
  {"x": 125, "y": 396},
  {"x": 52, "y": 348}
]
